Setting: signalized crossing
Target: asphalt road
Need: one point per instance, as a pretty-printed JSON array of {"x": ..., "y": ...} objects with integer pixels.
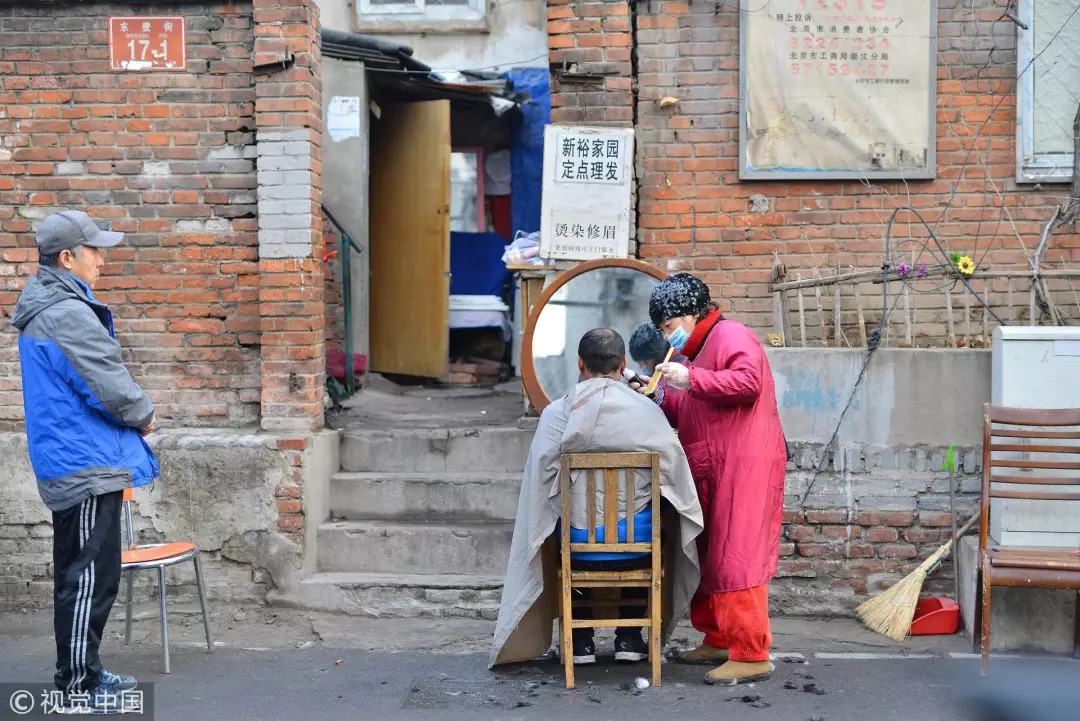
[{"x": 323, "y": 682}]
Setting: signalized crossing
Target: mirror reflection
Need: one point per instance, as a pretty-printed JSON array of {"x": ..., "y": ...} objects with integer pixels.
[{"x": 616, "y": 298}]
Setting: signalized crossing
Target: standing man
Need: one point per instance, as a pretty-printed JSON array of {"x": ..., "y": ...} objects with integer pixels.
[
  {"x": 723, "y": 404},
  {"x": 85, "y": 422}
]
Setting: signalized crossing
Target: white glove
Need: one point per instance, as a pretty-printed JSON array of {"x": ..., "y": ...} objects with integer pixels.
[{"x": 676, "y": 375}]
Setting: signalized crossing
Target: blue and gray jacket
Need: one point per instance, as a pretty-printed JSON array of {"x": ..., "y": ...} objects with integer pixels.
[{"x": 82, "y": 405}]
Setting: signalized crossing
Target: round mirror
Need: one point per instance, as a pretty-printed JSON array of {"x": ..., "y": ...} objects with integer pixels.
[{"x": 608, "y": 293}]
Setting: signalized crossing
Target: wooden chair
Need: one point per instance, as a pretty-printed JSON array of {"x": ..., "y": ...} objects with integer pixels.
[
  {"x": 612, "y": 464},
  {"x": 159, "y": 556},
  {"x": 1031, "y": 449}
]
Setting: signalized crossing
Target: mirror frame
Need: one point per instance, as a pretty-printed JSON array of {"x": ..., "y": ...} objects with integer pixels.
[{"x": 537, "y": 397}]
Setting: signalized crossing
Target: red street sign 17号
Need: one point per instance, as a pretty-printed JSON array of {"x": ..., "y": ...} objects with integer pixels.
[{"x": 147, "y": 43}]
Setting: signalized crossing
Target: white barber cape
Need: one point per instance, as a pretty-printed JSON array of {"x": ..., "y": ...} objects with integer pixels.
[{"x": 598, "y": 415}]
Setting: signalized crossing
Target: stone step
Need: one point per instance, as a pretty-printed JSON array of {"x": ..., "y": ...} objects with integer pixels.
[
  {"x": 419, "y": 450},
  {"x": 378, "y": 595},
  {"x": 425, "y": 496},
  {"x": 414, "y": 547}
]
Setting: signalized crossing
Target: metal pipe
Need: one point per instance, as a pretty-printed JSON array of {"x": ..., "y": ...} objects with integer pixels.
[
  {"x": 346, "y": 299},
  {"x": 347, "y": 246}
]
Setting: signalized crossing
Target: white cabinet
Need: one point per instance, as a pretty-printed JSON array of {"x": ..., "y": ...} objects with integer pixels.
[{"x": 1036, "y": 367}]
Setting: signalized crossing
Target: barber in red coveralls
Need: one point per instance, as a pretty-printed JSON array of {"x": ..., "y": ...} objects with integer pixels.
[{"x": 722, "y": 402}]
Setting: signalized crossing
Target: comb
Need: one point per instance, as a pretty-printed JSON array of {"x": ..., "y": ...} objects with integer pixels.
[{"x": 655, "y": 380}]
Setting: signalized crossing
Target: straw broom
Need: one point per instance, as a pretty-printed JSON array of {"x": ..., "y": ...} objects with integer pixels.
[{"x": 890, "y": 613}]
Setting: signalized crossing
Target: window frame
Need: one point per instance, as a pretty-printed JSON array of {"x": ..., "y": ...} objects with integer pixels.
[
  {"x": 481, "y": 199},
  {"x": 1032, "y": 167},
  {"x": 419, "y": 16}
]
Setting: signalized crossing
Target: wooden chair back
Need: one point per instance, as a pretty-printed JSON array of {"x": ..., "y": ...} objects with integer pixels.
[
  {"x": 614, "y": 470},
  {"x": 604, "y": 475},
  {"x": 1024, "y": 452}
]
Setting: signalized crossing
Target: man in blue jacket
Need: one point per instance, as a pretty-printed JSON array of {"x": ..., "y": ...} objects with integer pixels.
[{"x": 85, "y": 422}]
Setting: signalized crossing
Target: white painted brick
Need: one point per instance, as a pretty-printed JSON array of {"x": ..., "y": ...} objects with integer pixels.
[
  {"x": 218, "y": 225},
  {"x": 155, "y": 167},
  {"x": 284, "y": 250},
  {"x": 284, "y": 162},
  {"x": 273, "y": 207},
  {"x": 285, "y": 192},
  {"x": 300, "y": 235},
  {"x": 265, "y": 149},
  {"x": 292, "y": 135},
  {"x": 270, "y": 237},
  {"x": 298, "y": 148},
  {"x": 284, "y": 221},
  {"x": 70, "y": 168},
  {"x": 298, "y": 206},
  {"x": 226, "y": 152},
  {"x": 189, "y": 226},
  {"x": 291, "y": 177},
  {"x": 271, "y": 177}
]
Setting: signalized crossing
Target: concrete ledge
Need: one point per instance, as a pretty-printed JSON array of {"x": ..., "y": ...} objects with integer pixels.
[{"x": 1021, "y": 619}]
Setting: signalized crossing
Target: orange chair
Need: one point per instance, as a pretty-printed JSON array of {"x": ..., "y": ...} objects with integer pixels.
[{"x": 159, "y": 556}]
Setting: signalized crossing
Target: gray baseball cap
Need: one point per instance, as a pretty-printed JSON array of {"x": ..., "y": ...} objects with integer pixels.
[{"x": 70, "y": 229}]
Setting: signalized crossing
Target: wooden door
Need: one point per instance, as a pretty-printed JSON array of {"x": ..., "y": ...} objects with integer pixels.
[{"x": 410, "y": 239}]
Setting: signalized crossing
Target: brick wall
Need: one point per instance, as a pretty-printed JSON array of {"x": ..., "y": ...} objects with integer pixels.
[
  {"x": 872, "y": 516},
  {"x": 694, "y": 214},
  {"x": 218, "y": 290},
  {"x": 288, "y": 118},
  {"x": 165, "y": 157}
]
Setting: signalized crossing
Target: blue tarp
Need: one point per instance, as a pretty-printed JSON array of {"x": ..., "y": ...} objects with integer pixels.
[
  {"x": 527, "y": 148},
  {"x": 476, "y": 266}
]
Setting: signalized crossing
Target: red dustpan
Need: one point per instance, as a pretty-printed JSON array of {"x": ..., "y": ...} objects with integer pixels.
[{"x": 935, "y": 617}]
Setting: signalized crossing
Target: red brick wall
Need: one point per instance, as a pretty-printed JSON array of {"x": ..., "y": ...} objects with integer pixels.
[
  {"x": 166, "y": 157},
  {"x": 694, "y": 214},
  {"x": 288, "y": 115}
]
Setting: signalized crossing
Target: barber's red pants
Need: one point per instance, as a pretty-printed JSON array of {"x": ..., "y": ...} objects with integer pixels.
[{"x": 736, "y": 620}]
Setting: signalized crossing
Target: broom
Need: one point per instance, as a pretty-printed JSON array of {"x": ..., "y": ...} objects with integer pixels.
[{"x": 890, "y": 613}]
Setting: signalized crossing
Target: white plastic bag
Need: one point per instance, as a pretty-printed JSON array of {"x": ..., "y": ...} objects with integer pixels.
[{"x": 524, "y": 250}]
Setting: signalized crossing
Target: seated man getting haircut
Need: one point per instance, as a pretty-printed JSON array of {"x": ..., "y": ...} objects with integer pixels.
[{"x": 601, "y": 414}]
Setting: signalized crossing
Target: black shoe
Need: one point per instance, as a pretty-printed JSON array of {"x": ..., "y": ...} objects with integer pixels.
[
  {"x": 584, "y": 651},
  {"x": 630, "y": 649}
]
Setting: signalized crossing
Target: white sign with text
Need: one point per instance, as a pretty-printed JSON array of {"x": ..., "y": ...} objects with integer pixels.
[{"x": 586, "y": 202}]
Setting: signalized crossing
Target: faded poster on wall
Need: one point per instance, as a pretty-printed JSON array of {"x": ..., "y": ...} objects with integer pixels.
[
  {"x": 838, "y": 88},
  {"x": 585, "y": 210}
]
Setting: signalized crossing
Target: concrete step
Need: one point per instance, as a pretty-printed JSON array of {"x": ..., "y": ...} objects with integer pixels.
[
  {"x": 414, "y": 547},
  {"x": 377, "y": 595},
  {"x": 425, "y": 496},
  {"x": 418, "y": 450}
]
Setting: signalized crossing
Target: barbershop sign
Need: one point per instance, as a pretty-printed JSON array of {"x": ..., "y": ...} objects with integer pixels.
[{"x": 585, "y": 212}]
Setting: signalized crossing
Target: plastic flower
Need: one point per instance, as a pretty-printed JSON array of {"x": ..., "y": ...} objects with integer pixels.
[
  {"x": 922, "y": 271},
  {"x": 965, "y": 265},
  {"x": 902, "y": 270}
]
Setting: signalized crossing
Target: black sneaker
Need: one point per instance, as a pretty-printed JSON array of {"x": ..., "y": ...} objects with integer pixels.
[
  {"x": 630, "y": 649},
  {"x": 584, "y": 651}
]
